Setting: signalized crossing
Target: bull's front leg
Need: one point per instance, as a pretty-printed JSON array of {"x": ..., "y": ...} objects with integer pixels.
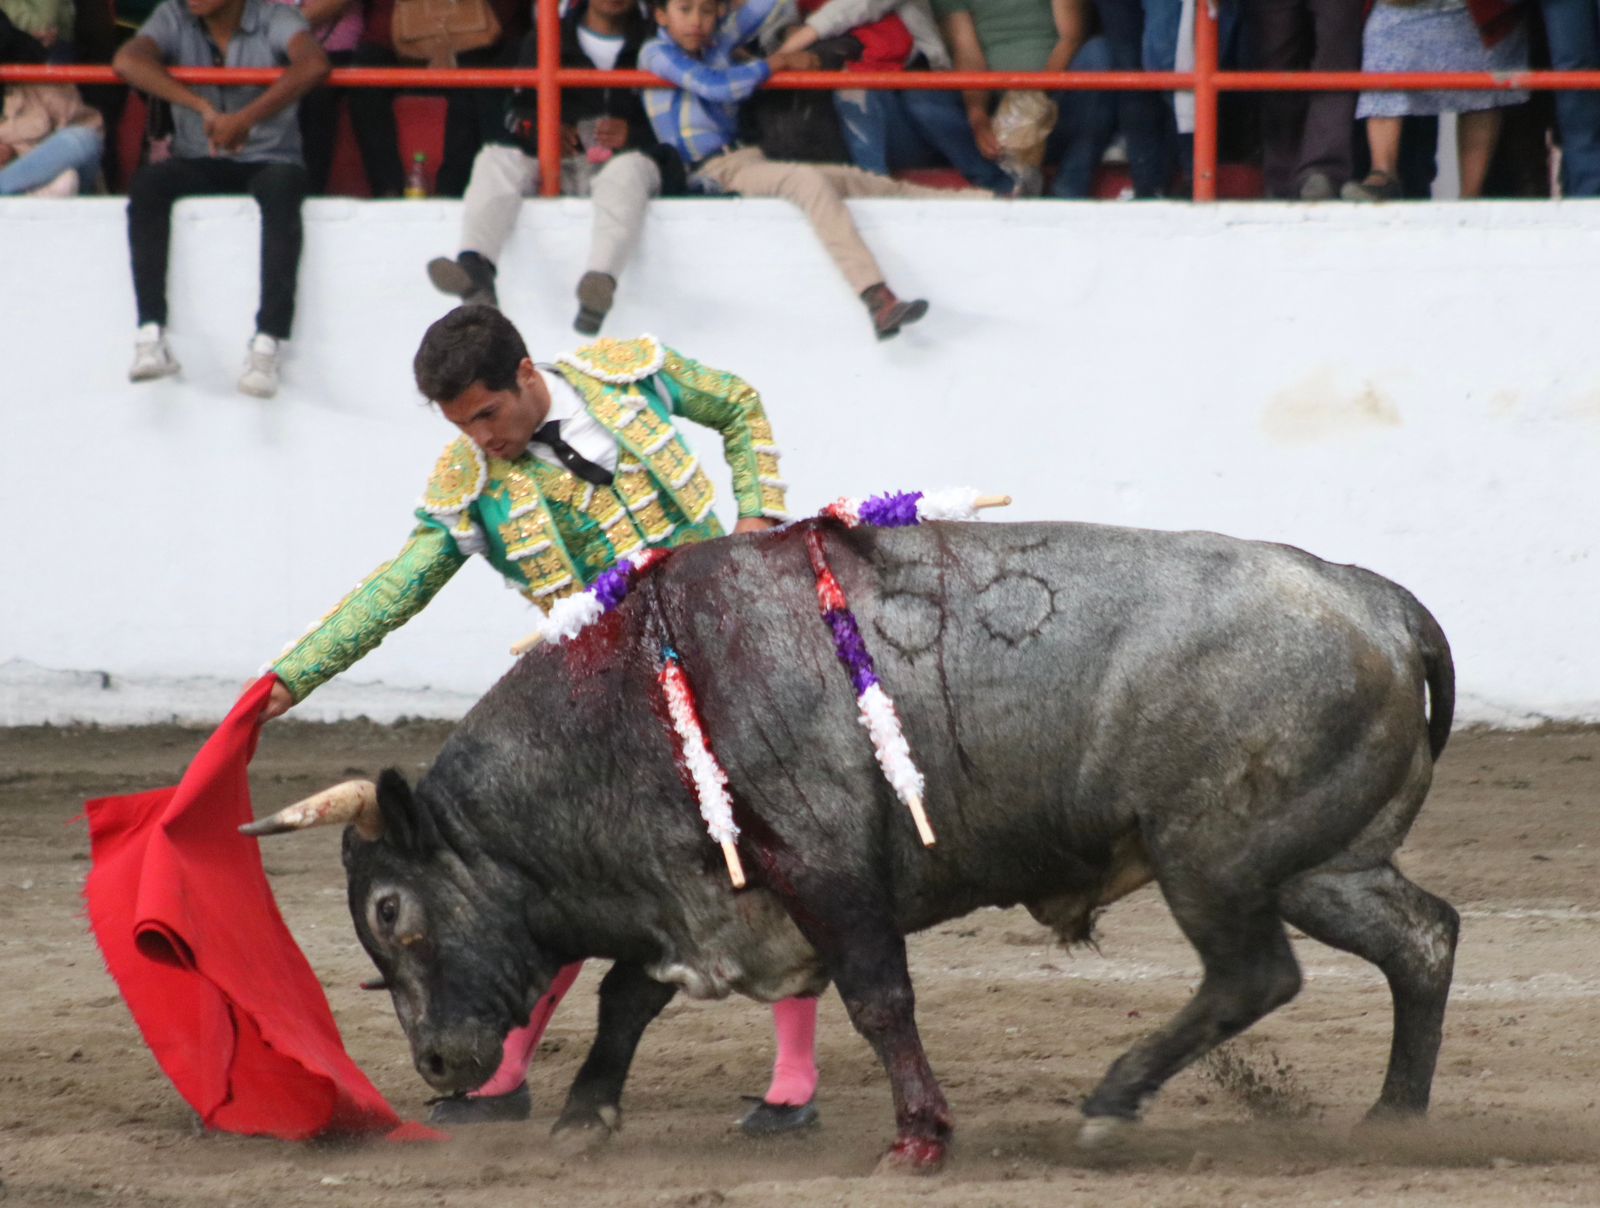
[
  {"x": 848, "y": 920},
  {"x": 629, "y": 1000},
  {"x": 875, "y": 983}
]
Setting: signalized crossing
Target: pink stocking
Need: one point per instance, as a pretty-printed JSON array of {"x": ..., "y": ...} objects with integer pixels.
[
  {"x": 794, "y": 1071},
  {"x": 521, "y": 1042}
]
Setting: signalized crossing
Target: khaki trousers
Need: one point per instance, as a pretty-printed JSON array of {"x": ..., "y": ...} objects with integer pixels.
[
  {"x": 820, "y": 191},
  {"x": 620, "y": 190}
]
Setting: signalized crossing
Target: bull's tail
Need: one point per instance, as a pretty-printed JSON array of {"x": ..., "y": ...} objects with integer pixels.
[{"x": 1440, "y": 671}]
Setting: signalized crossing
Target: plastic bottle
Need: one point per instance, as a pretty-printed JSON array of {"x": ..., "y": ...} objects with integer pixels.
[{"x": 417, "y": 176}]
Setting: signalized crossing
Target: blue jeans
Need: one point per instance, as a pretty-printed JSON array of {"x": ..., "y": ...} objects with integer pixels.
[
  {"x": 71, "y": 147},
  {"x": 889, "y": 130},
  {"x": 1085, "y": 126},
  {"x": 1136, "y": 35},
  {"x": 1573, "y": 27}
]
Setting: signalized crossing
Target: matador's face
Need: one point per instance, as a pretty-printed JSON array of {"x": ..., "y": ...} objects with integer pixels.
[{"x": 501, "y": 422}]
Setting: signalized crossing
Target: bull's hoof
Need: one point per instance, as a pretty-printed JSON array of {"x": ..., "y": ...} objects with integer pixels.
[
  {"x": 1104, "y": 1132},
  {"x": 582, "y": 1135},
  {"x": 914, "y": 1155},
  {"x": 458, "y": 1110}
]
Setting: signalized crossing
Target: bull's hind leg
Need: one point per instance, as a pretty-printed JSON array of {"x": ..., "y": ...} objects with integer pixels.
[
  {"x": 1408, "y": 933},
  {"x": 1249, "y": 969},
  {"x": 629, "y": 1000}
]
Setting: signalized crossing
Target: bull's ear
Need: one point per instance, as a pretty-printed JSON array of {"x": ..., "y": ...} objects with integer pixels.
[{"x": 406, "y": 821}]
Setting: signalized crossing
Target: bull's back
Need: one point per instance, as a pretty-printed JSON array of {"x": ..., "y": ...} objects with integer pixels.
[{"x": 1057, "y": 684}]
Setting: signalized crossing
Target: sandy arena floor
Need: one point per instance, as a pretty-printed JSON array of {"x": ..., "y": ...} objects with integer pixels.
[{"x": 1018, "y": 1030}]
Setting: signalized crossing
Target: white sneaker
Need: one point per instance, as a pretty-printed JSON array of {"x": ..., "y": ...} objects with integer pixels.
[
  {"x": 64, "y": 185},
  {"x": 151, "y": 357},
  {"x": 260, "y": 367}
]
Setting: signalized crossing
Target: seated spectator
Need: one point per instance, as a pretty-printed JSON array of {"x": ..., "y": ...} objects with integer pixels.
[
  {"x": 889, "y": 130},
  {"x": 604, "y": 127},
  {"x": 698, "y": 118},
  {"x": 1036, "y": 35},
  {"x": 49, "y": 139},
  {"x": 1437, "y": 35},
  {"x": 1305, "y": 137},
  {"x": 470, "y": 113},
  {"x": 48, "y": 22},
  {"x": 336, "y": 25},
  {"x": 1572, "y": 27},
  {"x": 225, "y": 140}
]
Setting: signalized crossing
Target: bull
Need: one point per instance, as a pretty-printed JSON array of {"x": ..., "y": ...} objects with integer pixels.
[{"x": 1095, "y": 708}]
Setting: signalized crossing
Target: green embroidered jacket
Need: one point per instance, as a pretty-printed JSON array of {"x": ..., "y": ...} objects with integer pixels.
[{"x": 547, "y": 531}]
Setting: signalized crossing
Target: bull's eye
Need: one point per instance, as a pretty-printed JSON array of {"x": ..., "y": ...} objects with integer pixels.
[{"x": 388, "y": 910}]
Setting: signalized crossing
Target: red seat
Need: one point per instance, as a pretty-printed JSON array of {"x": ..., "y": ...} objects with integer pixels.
[{"x": 419, "y": 123}]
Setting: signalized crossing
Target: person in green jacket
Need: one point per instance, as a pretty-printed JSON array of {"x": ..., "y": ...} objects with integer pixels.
[{"x": 560, "y": 470}]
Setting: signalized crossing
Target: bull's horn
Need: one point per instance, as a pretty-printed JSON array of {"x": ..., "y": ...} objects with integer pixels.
[
  {"x": 354, "y": 801},
  {"x": 992, "y": 501}
]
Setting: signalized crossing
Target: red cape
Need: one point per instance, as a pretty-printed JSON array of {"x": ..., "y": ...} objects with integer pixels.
[{"x": 181, "y": 907}]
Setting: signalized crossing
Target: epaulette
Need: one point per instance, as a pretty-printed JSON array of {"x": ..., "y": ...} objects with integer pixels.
[
  {"x": 618, "y": 361},
  {"x": 457, "y": 479}
]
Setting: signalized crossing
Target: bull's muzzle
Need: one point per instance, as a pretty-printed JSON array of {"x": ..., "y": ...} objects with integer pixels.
[{"x": 353, "y": 803}]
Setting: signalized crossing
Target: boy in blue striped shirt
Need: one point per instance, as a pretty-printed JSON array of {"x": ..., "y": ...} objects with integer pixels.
[{"x": 699, "y": 119}]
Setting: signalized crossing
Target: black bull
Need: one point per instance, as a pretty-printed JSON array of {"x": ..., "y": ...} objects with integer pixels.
[{"x": 1093, "y": 708}]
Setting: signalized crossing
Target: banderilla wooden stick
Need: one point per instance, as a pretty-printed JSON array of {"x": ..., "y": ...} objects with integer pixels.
[
  {"x": 992, "y": 501},
  {"x": 730, "y": 853}
]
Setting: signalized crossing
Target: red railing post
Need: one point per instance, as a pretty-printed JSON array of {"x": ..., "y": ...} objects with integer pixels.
[
  {"x": 1205, "y": 101},
  {"x": 549, "y": 21}
]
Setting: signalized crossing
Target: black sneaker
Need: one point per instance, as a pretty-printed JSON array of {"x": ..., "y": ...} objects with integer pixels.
[
  {"x": 595, "y": 294},
  {"x": 469, "y": 277},
  {"x": 778, "y": 1119},
  {"x": 485, "y": 1109}
]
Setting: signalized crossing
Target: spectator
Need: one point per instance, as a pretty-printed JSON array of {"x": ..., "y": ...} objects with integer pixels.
[
  {"x": 48, "y": 22},
  {"x": 470, "y": 113},
  {"x": 1139, "y": 34},
  {"x": 1437, "y": 35},
  {"x": 1036, "y": 35},
  {"x": 225, "y": 140},
  {"x": 336, "y": 25},
  {"x": 1306, "y": 137},
  {"x": 886, "y": 130},
  {"x": 698, "y": 118},
  {"x": 49, "y": 139},
  {"x": 604, "y": 34},
  {"x": 1572, "y": 27}
]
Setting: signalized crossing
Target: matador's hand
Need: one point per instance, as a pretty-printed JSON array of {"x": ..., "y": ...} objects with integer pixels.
[{"x": 755, "y": 524}]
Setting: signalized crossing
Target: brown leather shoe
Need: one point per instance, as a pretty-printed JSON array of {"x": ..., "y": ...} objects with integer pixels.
[{"x": 889, "y": 313}]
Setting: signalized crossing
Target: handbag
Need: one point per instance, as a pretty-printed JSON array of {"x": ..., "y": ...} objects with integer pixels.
[{"x": 436, "y": 30}]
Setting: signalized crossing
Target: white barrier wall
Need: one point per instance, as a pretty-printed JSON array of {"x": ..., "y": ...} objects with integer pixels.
[{"x": 1413, "y": 388}]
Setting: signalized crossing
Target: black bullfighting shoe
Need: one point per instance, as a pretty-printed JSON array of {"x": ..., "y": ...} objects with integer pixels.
[
  {"x": 778, "y": 1119},
  {"x": 486, "y": 1109}
]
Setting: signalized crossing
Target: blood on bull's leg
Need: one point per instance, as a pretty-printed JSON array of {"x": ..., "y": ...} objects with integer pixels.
[{"x": 629, "y": 1000}]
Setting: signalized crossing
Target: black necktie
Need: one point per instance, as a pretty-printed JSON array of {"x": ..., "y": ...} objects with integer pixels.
[{"x": 550, "y": 434}]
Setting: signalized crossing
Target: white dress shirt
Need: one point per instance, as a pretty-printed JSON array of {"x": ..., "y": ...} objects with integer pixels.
[{"x": 578, "y": 428}]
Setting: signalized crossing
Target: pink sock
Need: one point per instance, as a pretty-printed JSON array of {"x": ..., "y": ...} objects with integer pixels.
[
  {"x": 521, "y": 1042},
  {"x": 794, "y": 1072}
]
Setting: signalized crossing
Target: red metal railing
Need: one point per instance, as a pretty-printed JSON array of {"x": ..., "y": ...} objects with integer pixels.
[{"x": 1207, "y": 81}]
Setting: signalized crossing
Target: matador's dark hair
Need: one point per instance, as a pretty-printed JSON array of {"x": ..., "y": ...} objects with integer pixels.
[{"x": 470, "y": 344}]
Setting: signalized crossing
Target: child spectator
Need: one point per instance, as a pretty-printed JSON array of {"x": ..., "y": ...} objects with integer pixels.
[
  {"x": 698, "y": 118},
  {"x": 1306, "y": 137},
  {"x": 610, "y": 155},
  {"x": 336, "y": 25},
  {"x": 1438, "y": 35},
  {"x": 1036, "y": 35},
  {"x": 1572, "y": 27},
  {"x": 888, "y": 130},
  {"x": 49, "y": 22},
  {"x": 225, "y": 140},
  {"x": 49, "y": 139}
]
